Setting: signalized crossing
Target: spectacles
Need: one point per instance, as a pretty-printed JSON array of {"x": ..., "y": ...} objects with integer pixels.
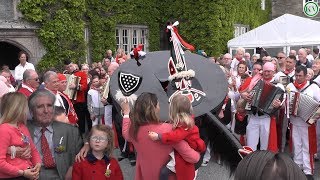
[
  {"x": 36, "y": 79},
  {"x": 98, "y": 138},
  {"x": 281, "y": 57}
]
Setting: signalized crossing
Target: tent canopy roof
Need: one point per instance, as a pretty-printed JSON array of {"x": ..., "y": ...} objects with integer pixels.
[{"x": 286, "y": 30}]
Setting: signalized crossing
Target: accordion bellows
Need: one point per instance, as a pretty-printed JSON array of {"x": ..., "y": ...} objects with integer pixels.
[
  {"x": 264, "y": 95},
  {"x": 302, "y": 105}
]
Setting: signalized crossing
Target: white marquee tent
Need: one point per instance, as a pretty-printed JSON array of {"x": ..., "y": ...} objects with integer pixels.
[{"x": 285, "y": 31}]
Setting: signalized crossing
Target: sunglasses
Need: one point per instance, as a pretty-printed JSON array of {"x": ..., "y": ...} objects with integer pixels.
[{"x": 281, "y": 57}]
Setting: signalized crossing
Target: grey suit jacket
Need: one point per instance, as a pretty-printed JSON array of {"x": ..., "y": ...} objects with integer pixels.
[{"x": 71, "y": 141}]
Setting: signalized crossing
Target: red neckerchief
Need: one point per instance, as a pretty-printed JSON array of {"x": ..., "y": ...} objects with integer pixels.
[
  {"x": 286, "y": 72},
  {"x": 299, "y": 86},
  {"x": 240, "y": 116},
  {"x": 267, "y": 80},
  {"x": 240, "y": 60}
]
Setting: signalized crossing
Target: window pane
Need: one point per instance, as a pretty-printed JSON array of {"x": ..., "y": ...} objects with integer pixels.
[
  {"x": 134, "y": 38},
  {"x": 117, "y": 38},
  {"x": 143, "y": 38},
  {"x": 125, "y": 40}
]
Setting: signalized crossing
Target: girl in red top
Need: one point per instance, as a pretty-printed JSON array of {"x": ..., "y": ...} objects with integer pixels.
[
  {"x": 180, "y": 111},
  {"x": 14, "y": 135},
  {"x": 98, "y": 164}
]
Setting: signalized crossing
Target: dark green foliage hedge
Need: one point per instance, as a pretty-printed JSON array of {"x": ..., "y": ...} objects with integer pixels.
[{"x": 207, "y": 24}]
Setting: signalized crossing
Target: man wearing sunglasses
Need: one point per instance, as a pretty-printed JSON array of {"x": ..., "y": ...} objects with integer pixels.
[{"x": 30, "y": 82}]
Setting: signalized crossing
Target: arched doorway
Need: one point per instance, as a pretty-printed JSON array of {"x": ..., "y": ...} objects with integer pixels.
[{"x": 9, "y": 55}]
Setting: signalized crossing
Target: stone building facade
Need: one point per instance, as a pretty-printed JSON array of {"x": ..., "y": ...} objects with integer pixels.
[
  {"x": 17, "y": 35},
  {"x": 294, "y": 7}
]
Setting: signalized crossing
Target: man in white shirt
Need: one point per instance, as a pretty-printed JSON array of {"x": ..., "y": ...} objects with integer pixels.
[
  {"x": 303, "y": 135},
  {"x": 238, "y": 58},
  {"x": 19, "y": 70}
]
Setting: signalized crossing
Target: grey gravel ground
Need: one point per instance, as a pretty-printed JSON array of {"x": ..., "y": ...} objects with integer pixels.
[{"x": 213, "y": 171}]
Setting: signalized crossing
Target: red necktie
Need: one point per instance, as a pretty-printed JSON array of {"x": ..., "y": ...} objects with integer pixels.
[{"x": 47, "y": 159}]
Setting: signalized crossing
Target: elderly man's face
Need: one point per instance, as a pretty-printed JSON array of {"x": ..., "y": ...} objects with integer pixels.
[
  {"x": 302, "y": 54},
  {"x": 53, "y": 83},
  {"x": 227, "y": 60},
  {"x": 43, "y": 110},
  {"x": 267, "y": 74},
  {"x": 33, "y": 81}
]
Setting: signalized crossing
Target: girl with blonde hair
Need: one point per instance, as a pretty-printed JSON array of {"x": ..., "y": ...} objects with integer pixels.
[
  {"x": 15, "y": 134},
  {"x": 180, "y": 113}
]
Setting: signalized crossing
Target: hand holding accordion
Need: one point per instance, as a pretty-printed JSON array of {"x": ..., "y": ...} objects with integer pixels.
[
  {"x": 266, "y": 97},
  {"x": 72, "y": 83}
]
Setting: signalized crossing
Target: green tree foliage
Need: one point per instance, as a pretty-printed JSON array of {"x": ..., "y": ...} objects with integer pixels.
[{"x": 207, "y": 24}]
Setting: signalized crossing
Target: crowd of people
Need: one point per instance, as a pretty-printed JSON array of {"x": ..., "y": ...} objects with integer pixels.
[
  {"x": 65, "y": 125},
  {"x": 293, "y": 75}
]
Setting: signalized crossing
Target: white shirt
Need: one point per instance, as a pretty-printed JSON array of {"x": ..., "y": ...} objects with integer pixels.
[
  {"x": 310, "y": 57},
  {"x": 19, "y": 70}
]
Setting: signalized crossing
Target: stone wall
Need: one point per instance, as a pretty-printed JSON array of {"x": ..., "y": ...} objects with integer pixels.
[
  {"x": 17, "y": 32},
  {"x": 295, "y": 7}
]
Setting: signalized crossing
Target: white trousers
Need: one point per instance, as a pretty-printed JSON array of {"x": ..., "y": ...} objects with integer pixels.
[
  {"x": 207, "y": 155},
  {"x": 258, "y": 127},
  {"x": 300, "y": 142},
  {"x": 108, "y": 115},
  {"x": 97, "y": 120}
]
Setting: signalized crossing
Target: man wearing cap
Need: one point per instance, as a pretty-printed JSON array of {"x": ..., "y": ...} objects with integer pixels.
[
  {"x": 69, "y": 109},
  {"x": 303, "y": 134},
  {"x": 262, "y": 126}
]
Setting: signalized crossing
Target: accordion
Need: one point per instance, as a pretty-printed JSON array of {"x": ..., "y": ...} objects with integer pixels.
[
  {"x": 302, "y": 105},
  {"x": 284, "y": 80},
  {"x": 72, "y": 79},
  {"x": 105, "y": 89},
  {"x": 264, "y": 93}
]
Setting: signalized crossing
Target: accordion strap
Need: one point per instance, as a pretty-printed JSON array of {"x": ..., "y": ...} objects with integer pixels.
[{"x": 306, "y": 87}]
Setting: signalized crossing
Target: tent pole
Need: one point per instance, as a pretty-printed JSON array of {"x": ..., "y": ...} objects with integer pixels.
[{"x": 287, "y": 50}]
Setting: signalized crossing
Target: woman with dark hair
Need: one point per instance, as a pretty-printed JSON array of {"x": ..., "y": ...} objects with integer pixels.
[
  {"x": 151, "y": 156},
  {"x": 266, "y": 165}
]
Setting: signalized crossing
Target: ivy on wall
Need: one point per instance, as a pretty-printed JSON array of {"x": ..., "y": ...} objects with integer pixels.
[
  {"x": 61, "y": 29},
  {"x": 207, "y": 24}
]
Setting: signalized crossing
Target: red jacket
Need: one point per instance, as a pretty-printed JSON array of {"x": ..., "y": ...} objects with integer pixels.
[
  {"x": 184, "y": 170},
  {"x": 72, "y": 116},
  {"x": 26, "y": 90},
  {"x": 96, "y": 170},
  {"x": 81, "y": 98}
]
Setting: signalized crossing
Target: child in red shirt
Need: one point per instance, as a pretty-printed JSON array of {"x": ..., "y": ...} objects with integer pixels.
[
  {"x": 180, "y": 111},
  {"x": 98, "y": 164}
]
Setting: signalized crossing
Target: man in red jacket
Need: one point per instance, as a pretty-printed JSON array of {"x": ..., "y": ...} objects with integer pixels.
[
  {"x": 80, "y": 104},
  {"x": 30, "y": 82}
]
